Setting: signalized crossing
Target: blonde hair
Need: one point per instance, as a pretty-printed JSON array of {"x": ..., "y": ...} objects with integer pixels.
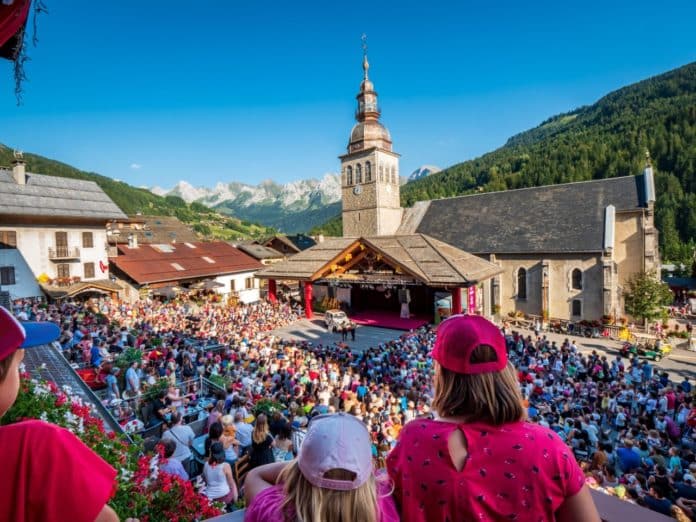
[
  {"x": 261, "y": 429},
  {"x": 493, "y": 397},
  {"x": 305, "y": 502}
]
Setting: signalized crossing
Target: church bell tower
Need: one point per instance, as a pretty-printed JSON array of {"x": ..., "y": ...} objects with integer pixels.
[{"x": 370, "y": 170}]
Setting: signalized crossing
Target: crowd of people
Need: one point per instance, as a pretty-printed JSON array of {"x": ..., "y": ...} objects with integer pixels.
[{"x": 627, "y": 423}]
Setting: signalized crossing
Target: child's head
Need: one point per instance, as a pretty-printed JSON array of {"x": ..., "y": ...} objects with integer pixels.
[
  {"x": 14, "y": 337},
  {"x": 332, "y": 477}
]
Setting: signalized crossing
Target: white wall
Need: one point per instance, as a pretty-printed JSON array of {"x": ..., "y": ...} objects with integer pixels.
[
  {"x": 25, "y": 281},
  {"x": 34, "y": 243},
  {"x": 245, "y": 295}
]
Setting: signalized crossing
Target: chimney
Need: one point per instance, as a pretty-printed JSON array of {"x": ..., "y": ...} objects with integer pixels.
[
  {"x": 132, "y": 240},
  {"x": 19, "y": 172}
]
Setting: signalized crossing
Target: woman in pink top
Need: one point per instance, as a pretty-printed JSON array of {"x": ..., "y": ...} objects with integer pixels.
[
  {"x": 330, "y": 481},
  {"x": 480, "y": 460}
]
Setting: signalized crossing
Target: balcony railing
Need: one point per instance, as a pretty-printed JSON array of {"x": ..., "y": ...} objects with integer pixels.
[{"x": 64, "y": 252}]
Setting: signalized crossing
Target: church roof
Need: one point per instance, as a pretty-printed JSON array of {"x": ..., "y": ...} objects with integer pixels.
[
  {"x": 425, "y": 258},
  {"x": 551, "y": 219}
]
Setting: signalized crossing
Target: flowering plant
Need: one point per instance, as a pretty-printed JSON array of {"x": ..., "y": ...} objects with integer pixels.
[{"x": 143, "y": 491}]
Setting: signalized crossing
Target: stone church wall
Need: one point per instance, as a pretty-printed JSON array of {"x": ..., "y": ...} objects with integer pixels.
[{"x": 560, "y": 290}]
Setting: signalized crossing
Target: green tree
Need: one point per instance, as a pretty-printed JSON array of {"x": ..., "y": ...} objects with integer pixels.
[{"x": 646, "y": 296}]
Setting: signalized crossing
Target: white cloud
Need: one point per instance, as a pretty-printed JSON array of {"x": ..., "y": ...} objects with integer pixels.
[{"x": 136, "y": 166}]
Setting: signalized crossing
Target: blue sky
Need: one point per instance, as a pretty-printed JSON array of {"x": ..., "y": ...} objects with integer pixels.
[{"x": 152, "y": 92}]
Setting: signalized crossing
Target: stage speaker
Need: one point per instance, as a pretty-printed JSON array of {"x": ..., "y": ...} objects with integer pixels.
[{"x": 404, "y": 296}]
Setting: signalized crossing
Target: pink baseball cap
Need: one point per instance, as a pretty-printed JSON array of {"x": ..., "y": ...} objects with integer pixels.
[
  {"x": 336, "y": 441},
  {"x": 457, "y": 338},
  {"x": 15, "y": 334}
]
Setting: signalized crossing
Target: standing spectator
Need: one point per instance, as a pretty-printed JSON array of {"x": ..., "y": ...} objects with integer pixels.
[
  {"x": 229, "y": 439},
  {"x": 112, "y": 391},
  {"x": 217, "y": 474},
  {"x": 243, "y": 433},
  {"x": 261, "y": 443},
  {"x": 282, "y": 450},
  {"x": 183, "y": 437},
  {"x": 133, "y": 379},
  {"x": 215, "y": 414},
  {"x": 499, "y": 466},
  {"x": 299, "y": 432}
]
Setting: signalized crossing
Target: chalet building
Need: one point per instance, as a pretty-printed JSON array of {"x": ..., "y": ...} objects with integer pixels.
[
  {"x": 263, "y": 254},
  {"x": 289, "y": 245},
  {"x": 149, "y": 229},
  {"x": 563, "y": 251},
  {"x": 168, "y": 268},
  {"x": 53, "y": 235}
]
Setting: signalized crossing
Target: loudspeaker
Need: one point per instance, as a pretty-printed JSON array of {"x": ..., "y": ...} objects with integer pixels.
[{"x": 404, "y": 296}]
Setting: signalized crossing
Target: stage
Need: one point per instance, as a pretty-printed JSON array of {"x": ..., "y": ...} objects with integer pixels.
[{"x": 388, "y": 319}]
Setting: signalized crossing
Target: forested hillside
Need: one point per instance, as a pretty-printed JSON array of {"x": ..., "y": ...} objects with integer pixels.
[
  {"x": 606, "y": 139},
  {"x": 206, "y": 222}
]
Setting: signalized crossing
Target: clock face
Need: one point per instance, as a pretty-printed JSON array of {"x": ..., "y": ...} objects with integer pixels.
[
  {"x": 389, "y": 189},
  {"x": 357, "y": 190}
]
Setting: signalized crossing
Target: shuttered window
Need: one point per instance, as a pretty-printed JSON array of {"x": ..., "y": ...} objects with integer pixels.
[
  {"x": 7, "y": 275},
  {"x": 8, "y": 239}
]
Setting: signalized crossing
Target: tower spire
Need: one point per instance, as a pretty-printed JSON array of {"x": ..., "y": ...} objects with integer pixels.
[{"x": 366, "y": 64}]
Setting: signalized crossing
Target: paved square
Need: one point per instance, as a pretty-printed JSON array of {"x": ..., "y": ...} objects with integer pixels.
[{"x": 314, "y": 331}]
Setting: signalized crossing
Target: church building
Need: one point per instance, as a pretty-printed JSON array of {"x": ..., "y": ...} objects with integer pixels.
[{"x": 558, "y": 252}]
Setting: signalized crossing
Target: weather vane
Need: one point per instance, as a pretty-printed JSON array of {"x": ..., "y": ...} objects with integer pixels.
[{"x": 364, "y": 44}]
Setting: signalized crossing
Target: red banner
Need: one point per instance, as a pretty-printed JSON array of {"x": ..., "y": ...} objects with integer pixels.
[
  {"x": 12, "y": 20},
  {"x": 471, "y": 308}
]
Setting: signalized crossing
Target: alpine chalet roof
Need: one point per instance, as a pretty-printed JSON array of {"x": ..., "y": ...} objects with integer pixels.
[
  {"x": 429, "y": 260},
  {"x": 259, "y": 251},
  {"x": 182, "y": 261},
  {"x": 306, "y": 263},
  {"x": 53, "y": 196},
  {"x": 551, "y": 219}
]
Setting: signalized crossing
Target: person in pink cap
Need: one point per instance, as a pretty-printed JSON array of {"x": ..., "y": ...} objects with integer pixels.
[
  {"x": 479, "y": 459},
  {"x": 48, "y": 474},
  {"x": 331, "y": 480}
]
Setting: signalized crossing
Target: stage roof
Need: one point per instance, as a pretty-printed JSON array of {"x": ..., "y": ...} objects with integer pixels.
[{"x": 417, "y": 256}]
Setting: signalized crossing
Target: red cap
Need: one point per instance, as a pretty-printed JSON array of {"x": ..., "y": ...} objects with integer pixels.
[{"x": 457, "y": 338}]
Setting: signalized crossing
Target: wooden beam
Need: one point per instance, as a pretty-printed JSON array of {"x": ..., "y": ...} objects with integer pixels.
[
  {"x": 350, "y": 264},
  {"x": 319, "y": 273}
]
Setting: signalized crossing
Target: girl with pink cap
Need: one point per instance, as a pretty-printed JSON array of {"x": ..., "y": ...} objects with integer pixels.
[{"x": 331, "y": 480}]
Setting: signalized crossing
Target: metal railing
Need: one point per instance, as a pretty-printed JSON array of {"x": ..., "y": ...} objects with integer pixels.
[{"x": 63, "y": 252}]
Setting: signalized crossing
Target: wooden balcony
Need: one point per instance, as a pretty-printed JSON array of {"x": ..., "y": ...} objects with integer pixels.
[{"x": 63, "y": 252}]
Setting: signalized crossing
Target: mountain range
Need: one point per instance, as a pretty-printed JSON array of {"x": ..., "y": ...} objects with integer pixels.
[{"x": 289, "y": 207}]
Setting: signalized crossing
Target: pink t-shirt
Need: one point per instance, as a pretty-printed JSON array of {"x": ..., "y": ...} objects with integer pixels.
[
  {"x": 266, "y": 505},
  {"x": 518, "y": 471},
  {"x": 49, "y": 475}
]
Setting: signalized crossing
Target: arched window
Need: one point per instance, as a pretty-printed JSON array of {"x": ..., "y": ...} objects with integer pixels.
[
  {"x": 381, "y": 172},
  {"x": 358, "y": 174},
  {"x": 349, "y": 176},
  {"x": 521, "y": 283},
  {"x": 576, "y": 279},
  {"x": 368, "y": 172}
]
